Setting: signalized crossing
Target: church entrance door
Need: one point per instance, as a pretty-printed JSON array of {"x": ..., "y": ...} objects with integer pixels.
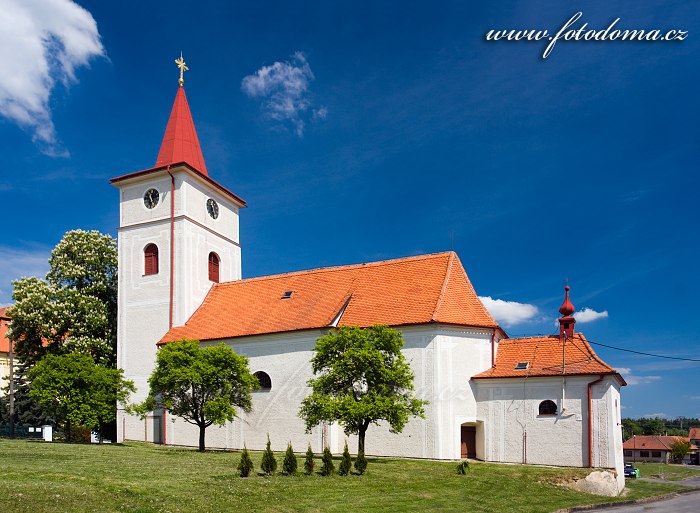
[{"x": 468, "y": 442}]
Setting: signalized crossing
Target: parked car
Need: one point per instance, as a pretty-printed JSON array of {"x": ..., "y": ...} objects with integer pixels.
[{"x": 631, "y": 471}]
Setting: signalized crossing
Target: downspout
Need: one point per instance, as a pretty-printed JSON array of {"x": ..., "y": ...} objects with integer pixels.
[
  {"x": 493, "y": 349},
  {"x": 172, "y": 270},
  {"x": 172, "y": 245},
  {"x": 590, "y": 421}
]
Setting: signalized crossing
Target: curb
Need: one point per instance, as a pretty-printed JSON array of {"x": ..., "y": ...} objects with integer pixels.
[{"x": 645, "y": 500}]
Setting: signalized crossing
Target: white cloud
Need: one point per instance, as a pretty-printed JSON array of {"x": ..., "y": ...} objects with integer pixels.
[
  {"x": 589, "y": 315},
  {"x": 509, "y": 313},
  {"x": 633, "y": 379},
  {"x": 285, "y": 88},
  {"x": 654, "y": 415},
  {"x": 42, "y": 42},
  {"x": 19, "y": 263}
]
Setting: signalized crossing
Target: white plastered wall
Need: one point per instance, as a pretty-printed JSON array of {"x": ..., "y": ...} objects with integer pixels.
[
  {"x": 442, "y": 358},
  {"x": 515, "y": 432}
]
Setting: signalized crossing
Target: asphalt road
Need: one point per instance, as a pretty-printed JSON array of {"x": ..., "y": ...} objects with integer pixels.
[{"x": 685, "y": 503}]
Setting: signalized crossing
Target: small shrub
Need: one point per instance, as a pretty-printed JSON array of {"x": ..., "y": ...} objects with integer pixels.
[
  {"x": 289, "y": 465},
  {"x": 269, "y": 463},
  {"x": 462, "y": 467},
  {"x": 245, "y": 466},
  {"x": 327, "y": 468},
  {"x": 345, "y": 462},
  {"x": 361, "y": 463},
  {"x": 309, "y": 462}
]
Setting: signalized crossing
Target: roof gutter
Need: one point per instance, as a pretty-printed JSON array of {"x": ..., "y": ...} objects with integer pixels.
[{"x": 590, "y": 420}]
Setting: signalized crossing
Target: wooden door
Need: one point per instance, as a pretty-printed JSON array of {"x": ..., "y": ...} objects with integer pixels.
[{"x": 468, "y": 441}]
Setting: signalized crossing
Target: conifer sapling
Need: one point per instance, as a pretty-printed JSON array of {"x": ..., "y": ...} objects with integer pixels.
[
  {"x": 309, "y": 462},
  {"x": 245, "y": 466},
  {"x": 345, "y": 462},
  {"x": 327, "y": 467},
  {"x": 269, "y": 463},
  {"x": 289, "y": 465},
  {"x": 360, "y": 463}
]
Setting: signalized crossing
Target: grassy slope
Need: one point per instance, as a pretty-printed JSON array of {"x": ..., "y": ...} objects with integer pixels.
[{"x": 38, "y": 477}]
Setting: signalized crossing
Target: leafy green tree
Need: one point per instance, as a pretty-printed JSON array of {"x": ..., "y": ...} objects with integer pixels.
[
  {"x": 289, "y": 465},
  {"x": 655, "y": 426},
  {"x": 74, "y": 388},
  {"x": 309, "y": 462},
  {"x": 202, "y": 385},
  {"x": 75, "y": 308},
  {"x": 362, "y": 378},
  {"x": 269, "y": 462},
  {"x": 245, "y": 466},
  {"x": 679, "y": 450},
  {"x": 345, "y": 462},
  {"x": 327, "y": 467},
  {"x": 360, "y": 463}
]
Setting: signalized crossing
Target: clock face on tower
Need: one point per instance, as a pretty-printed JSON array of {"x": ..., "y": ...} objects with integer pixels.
[
  {"x": 150, "y": 198},
  {"x": 212, "y": 208}
]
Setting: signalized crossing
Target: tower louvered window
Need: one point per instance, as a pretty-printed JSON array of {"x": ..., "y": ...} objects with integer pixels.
[
  {"x": 150, "y": 256},
  {"x": 213, "y": 267}
]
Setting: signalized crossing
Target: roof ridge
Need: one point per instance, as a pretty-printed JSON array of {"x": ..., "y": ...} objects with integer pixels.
[
  {"x": 334, "y": 268},
  {"x": 448, "y": 273}
]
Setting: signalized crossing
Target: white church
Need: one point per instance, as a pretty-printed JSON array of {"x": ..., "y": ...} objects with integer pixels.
[{"x": 541, "y": 400}]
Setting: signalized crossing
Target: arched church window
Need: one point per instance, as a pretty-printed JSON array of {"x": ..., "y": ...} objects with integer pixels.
[
  {"x": 213, "y": 267},
  {"x": 548, "y": 407},
  {"x": 150, "y": 258},
  {"x": 265, "y": 383}
]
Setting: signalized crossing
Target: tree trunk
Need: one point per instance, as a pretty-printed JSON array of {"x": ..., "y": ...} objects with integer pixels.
[
  {"x": 202, "y": 430},
  {"x": 361, "y": 439}
]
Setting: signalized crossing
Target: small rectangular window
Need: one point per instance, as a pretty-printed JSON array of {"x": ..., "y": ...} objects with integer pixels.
[
  {"x": 655, "y": 454},
  {"x": 643, "y": 454},
  {"x": 287, "y": 294},
  {"x": 628, "y": 453},
  {"x": 522, "y": 365}
]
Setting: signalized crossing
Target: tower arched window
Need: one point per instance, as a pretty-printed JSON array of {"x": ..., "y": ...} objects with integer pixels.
[
  {"x": 213, "y": 267},
  {"x": 548, "y": 407},
  {"x": 265, "y": 383},
  {"x": 150, "y": 259}
]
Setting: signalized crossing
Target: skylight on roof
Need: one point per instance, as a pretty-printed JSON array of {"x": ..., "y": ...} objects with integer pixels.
[
  {"x": 287, "y": 294},
  {"x": 522, "y": 365}
]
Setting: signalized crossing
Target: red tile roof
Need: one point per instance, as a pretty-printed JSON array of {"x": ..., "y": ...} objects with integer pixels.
[
  {"x": 180, "y": 142},
  {"x": 415, "y": 290},
  {"x": 694, "y": 433},
  {"x": 544, "y": 356},
  {"x": 652, "y": 443},
  {"x": 4, "y": 341}
]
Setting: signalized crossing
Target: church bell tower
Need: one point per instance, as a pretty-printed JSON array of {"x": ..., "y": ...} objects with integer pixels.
[{"x": 178, "y": 235}]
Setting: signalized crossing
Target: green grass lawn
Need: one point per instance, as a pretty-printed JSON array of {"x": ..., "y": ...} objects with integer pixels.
[
  {"x": 37, "y": 477},
  {"x": 667, "y": 472}
]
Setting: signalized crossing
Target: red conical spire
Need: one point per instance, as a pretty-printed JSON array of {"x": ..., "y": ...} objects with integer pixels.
[{"x": 180, "y": 142}]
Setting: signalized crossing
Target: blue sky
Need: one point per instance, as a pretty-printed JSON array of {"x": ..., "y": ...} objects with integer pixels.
[{"x": 374, "y": 130}]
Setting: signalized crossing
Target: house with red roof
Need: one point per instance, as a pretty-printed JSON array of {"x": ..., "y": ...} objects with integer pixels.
[
  {"x": 541, "y": 400},
  {"x": 654, "y": 449},
  {"x": 4, "y": 349}
]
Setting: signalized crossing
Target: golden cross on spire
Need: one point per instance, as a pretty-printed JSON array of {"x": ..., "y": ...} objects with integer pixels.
[{"x": 181, "y": 64}]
